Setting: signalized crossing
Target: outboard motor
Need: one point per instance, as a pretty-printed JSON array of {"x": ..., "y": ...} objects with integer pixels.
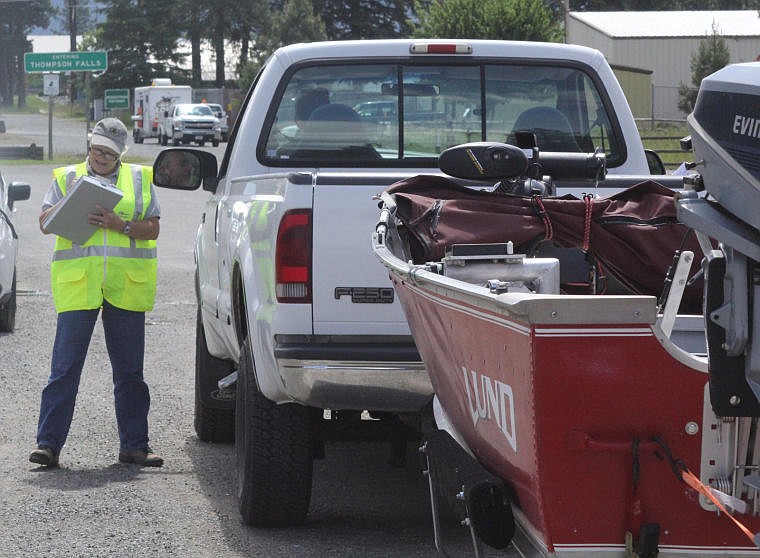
[{"x": 725, "y": 137}]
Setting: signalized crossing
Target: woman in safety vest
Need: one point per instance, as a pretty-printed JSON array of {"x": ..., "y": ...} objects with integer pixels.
[{"x": 113, "y": 271}]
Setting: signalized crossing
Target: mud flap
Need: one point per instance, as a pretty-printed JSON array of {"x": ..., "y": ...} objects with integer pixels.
[{"x": 459, "y": 485}]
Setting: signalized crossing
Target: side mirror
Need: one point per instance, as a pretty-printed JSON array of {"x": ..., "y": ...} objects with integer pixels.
[
  {"x": 654, "y": 162},
  {"x": 18, "y": 191},
  {"x": 185, "y": 169}
]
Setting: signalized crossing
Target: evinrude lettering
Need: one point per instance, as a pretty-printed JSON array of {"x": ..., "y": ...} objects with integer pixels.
[
  {"x": 493, "y": 400},
  {"x": 366, "y": 295},
  {"x": 746, "y": 126}
]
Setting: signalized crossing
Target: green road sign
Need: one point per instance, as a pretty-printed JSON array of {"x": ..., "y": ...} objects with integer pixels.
[
  {"x": 95, "y": 61},
  {"x": 116, "y": 99}
]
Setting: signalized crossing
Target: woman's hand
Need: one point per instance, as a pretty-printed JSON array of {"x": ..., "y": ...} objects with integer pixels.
[
  {"x": 147, "y": 229},
  {"x": 106, "y": 219}
]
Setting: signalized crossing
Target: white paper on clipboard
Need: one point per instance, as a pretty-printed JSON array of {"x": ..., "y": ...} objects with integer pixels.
[{"x": 69, "y": 217}]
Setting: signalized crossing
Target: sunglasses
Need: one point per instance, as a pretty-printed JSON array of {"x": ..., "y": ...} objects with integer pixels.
[{"x": 103, "y": 154}]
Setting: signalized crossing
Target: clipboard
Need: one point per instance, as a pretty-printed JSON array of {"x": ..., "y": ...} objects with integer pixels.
[{"x": 69, "y": 216}]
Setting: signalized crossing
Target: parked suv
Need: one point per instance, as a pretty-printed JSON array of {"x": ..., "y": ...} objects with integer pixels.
[
  {"x": 224, "y": 125},
  {"x": 190, "y": 122},
  {"x": 9, "y": 194}
]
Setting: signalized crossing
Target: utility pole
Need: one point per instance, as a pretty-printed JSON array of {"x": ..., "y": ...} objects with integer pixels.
[{"x": 72, "y": 13}]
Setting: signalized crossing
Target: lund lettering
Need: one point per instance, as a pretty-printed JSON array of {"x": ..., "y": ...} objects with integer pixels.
[{"x": 493, "y": 400}]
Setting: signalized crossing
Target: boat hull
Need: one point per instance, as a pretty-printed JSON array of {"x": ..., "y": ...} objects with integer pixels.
[{"x": 560, "y": 396}]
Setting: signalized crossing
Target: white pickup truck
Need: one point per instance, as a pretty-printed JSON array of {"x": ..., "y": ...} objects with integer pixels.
[
  {"x": 190, "y": 122},
  {"x": 300, "y": 338}
]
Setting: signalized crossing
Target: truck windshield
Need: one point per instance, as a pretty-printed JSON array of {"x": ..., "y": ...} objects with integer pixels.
[
  {"x": 405, "y": 115},
  {"x": 194, "y": 110}
]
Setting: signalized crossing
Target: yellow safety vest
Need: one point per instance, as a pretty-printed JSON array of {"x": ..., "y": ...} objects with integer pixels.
[{"x": 110, "y": 264}]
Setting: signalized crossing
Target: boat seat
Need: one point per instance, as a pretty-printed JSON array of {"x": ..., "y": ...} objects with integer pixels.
[
  {"x": 334, "y": 132},
  {"x": 552, "y": 129}
]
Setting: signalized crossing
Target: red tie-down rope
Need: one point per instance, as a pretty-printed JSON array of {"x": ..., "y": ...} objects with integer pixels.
[
  {"x": 683, "y": 473},
  {"x": 588, "y": 201},
  {"x": 689, "y": 478},
  {"x": 540, "y": 210}
]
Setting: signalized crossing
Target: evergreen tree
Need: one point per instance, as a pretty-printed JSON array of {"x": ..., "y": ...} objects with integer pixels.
[
  {"x": 365, "y": 19},
  {"x": 223, "y": 15},
  {"x": 17, "y": 19},
  {"x": 296, "y": 23},
  {"x": 190, "y": 19},
  {"x": 253, "y": 20},
  {"x": 140, "y": 37},
  {"x": 710, "y": 57}
]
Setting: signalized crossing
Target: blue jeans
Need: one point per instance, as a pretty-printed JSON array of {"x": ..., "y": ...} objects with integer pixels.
[{"x": 125, "y": 340}]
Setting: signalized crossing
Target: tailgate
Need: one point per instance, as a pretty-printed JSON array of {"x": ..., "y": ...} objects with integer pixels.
[{"x": 352, "y": 294}]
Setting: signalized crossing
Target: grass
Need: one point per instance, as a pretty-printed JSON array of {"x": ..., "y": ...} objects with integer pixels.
[
  {"x": 36, "y": 104},
  {"x": 664, "y": 139}
]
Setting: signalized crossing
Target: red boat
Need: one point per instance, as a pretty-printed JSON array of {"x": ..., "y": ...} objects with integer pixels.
[{"x": 603, "y": 420}]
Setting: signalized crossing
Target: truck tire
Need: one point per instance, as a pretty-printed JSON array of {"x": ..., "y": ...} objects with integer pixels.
[
  {"x": 8, "y": 309},
  {"x": 214, "y": 414},
  {"x": 215, "y": 143},
  {"x": 175, "y": 141},
  {"x": 138, "y": 137},
  {"x": 273, "y": 454},
  {"x": 163, "y": 139}
]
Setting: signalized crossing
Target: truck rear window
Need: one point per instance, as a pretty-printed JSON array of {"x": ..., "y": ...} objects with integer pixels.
[{"x": 380, "y": 115}]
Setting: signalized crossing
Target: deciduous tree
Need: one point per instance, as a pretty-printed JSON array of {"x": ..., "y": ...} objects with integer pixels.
[
  {"x": 525, "y": 20},
  {"x": 657, "y": 5}
]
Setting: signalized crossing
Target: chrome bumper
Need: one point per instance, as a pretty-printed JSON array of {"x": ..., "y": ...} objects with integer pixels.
[{"x": 359, "y": 385}]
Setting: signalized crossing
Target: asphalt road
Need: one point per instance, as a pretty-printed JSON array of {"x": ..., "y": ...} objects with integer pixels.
[{"x": 94, "y": 506}]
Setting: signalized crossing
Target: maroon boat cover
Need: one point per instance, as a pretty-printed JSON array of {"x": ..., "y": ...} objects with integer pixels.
[{"x": 632, "y": 235}]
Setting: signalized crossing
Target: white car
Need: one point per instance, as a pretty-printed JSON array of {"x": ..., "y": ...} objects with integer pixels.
[
  {"x": 222, "y": 117},
  {"x": 9, "y": 194}
]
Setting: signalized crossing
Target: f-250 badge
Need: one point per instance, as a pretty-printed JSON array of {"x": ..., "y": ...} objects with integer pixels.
[{"x": 366, "y": 295}]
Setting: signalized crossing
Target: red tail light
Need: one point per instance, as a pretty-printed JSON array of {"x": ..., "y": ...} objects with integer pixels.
[{"x": 293, "y": 258}]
